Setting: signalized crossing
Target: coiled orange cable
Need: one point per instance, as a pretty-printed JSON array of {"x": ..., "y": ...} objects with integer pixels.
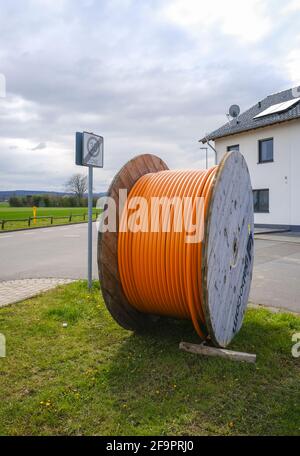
[{"x": 160, "y": 272}]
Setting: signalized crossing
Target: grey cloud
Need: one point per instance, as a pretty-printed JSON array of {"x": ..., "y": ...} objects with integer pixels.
[
  {"x": 39, "y": 146},
  {"x": 142, "y": 82}
]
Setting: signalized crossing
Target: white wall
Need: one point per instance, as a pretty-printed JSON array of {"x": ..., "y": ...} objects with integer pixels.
[{"x": 282, "y": 176}]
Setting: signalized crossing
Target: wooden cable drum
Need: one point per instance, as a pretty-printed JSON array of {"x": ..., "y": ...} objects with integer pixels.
[{"x": 145, "y": 276}]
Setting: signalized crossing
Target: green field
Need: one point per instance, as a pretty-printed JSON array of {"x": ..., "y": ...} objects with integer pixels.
[
  {"x": 93, "y": 377},
  {"x": 14, "y": 213}
]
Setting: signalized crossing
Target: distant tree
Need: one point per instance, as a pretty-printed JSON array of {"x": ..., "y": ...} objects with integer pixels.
[
  {"x": 46, "y": 201},
  {"x": 77, "y": 184},
  {"x": 15, "y": 201},
  {"x": 26, "y": 200},
  {"x": 36, "y": 200}
]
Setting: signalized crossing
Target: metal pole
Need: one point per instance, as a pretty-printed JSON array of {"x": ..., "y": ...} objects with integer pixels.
[
  {"x": 206, "y": 157},
  {"x": 90, "y": 226},
  {"x": 212, "y": 148}
]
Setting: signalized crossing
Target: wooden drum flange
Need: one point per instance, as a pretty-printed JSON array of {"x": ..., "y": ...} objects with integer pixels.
[
  {"x": 227, "y": 250},
  {"x": 117, "y": 304}
]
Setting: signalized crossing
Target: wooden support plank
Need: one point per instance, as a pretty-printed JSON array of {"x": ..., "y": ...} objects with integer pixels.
[{"x": 202, "y": 349}]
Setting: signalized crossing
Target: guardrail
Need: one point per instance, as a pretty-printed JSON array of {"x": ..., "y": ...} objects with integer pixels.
[{"x": 52, "y": 218}]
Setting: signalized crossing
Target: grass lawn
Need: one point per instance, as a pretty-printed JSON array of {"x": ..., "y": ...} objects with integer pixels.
[
  {"x": 95, "y": 378},
  {"x": 13, "y": 213}
]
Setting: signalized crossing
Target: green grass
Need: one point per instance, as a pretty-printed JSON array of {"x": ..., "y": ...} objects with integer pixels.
[
  {"x": 93, "y": 377},
  {"x": 13, "y": 213}
]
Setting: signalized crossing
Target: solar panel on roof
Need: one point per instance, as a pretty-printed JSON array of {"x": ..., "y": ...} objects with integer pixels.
[{"x": 279, "y": 107}]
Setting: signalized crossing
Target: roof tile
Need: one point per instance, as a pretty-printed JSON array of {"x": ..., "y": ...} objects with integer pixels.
[{"x": 247, "y": 122}]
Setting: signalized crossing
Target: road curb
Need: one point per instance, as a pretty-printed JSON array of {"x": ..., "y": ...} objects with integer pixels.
[{"x": 272, "y": 309}]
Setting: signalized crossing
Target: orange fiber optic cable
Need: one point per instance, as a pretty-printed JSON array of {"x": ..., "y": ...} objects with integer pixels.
[{"x": 160, "y": 272}]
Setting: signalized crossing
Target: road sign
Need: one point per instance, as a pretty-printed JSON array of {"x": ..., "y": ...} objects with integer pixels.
[
  {"x": 92, "y": 150},
  {"x": 89, "y": 152},
  {"x": 89, "y": 149}
]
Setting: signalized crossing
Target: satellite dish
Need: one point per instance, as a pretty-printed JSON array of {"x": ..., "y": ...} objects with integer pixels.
[{"x": 234, "y": 111}]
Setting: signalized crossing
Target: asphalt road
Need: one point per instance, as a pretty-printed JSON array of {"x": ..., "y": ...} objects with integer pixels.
[
  {"x": 61, "y": 252},
  {"x": 276, "y": 275}
]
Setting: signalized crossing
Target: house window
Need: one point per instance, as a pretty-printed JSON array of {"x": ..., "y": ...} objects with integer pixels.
[
  {"x": 261, "y": 200},
  {"x": 265, "y": 150},
  {"x": 235, "y": 147}
]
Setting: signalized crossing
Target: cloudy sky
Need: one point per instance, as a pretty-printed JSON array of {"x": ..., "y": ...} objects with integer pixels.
[{"x": 148, "y": 75}]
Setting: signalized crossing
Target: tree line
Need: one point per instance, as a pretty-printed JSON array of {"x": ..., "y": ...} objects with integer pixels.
[
  {"x": 49, "y": 201},
  {"x": 76, "y": 185}
]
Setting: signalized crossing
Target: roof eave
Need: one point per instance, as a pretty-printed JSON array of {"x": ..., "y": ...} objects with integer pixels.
[{"x": 206, "y": 139}]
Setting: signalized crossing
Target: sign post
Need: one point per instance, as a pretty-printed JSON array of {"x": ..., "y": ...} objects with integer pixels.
[
  {"x": 89, "y": 152},
  {"x": 90, "y": 227}
]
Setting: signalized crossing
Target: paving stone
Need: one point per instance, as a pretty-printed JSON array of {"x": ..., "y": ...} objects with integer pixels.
[{"x": 13, "y": 291}]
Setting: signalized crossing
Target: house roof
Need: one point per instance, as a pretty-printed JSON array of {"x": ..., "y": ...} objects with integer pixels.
[{"x": 247, "y": 122}]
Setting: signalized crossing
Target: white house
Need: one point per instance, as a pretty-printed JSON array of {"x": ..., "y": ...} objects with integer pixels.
[{"x": 268, "y": 135}]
